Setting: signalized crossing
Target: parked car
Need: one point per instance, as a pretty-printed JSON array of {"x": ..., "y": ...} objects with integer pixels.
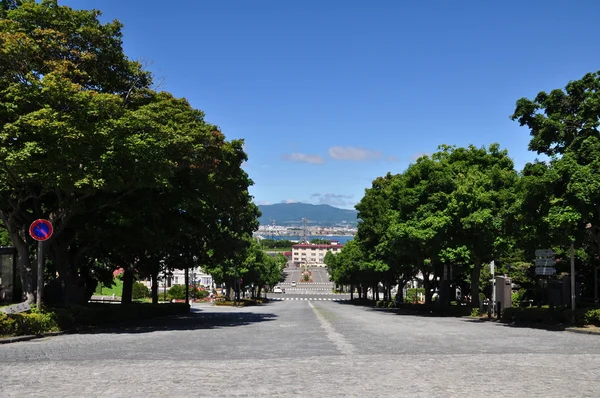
[{"x": 277, "y": 289}]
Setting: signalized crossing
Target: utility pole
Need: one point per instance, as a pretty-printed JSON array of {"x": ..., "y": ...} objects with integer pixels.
[{"x": 572, "y": 282}]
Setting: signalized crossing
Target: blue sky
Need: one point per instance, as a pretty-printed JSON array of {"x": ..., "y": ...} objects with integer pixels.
[{"x": 331, "y": 94}]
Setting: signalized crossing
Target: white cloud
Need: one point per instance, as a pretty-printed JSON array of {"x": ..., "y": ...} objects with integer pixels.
[
  {"x": 302, "y": 157},
  {"x": 417, "y": 155},
  {"x": 392, "y": 158},
  {"x": 336, "y": 200},
  {"x": 353, "y": 154},
  {"x": 289, "y": 201},
  {"x": 263, "y": 202}
]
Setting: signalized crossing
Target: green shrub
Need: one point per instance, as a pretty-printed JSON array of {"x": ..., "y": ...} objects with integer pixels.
[
  {"x": 176, "y": 292},
  {"x": 69, "y": 318},
  {"x": 435, "y": 309},
  {"x": 240, "y": 303},
  {"x": 534, "y": 315},
  {"x": 140, "y": 291},
  {"x": 200, "y": 294},
  {"x": 412, "y": 293},
  {"x": 517, "y": 297},
  {"x": 391, "y": 304},
  {"x": 592, "y": 317},
  {"x": 8, "y": 325},
  {"x": 476, "y": 312}
]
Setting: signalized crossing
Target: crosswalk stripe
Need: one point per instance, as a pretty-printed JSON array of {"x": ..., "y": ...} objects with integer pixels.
[{"x": 306, "y": 299}]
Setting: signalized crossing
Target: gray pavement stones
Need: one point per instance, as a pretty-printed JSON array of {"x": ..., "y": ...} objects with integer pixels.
[{"x": 304, "y": 348}]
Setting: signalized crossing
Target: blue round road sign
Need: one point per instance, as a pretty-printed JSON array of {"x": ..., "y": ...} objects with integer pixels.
[{"x": 41, "y": 230}]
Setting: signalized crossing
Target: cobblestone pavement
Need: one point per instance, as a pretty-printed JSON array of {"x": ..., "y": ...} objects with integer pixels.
[{"x": 304, "y": 348}]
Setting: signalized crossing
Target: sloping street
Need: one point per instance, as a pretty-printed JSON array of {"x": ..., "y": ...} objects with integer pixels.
[{"x": 304, "y": 348}]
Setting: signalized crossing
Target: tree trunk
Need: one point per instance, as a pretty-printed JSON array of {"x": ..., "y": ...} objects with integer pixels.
[
  {"x": 154, "y": 278},
  {"x": 19, "y": 241},
  {"x": 351, "y": 291},
  {"x": 475, "y": 284},
  {"x": 127, "y": 295},
  {"x": 228, "y": 291},
  {"x": 187, "y": 286},
  {"x": 25, "y": 270},
  {"x": 426, "y": 286}
]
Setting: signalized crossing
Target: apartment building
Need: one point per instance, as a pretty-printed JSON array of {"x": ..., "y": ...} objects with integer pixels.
[{"x": 313, "y": 255}]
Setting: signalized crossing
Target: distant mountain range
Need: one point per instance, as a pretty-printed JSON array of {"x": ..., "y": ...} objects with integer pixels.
[{"x": 291, "y": 214}]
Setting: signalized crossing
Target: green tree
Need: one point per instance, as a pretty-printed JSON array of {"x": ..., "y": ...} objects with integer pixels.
[
  {"x": 89, "y": 145},
  {"x": 563, "y": 125},
  {"x": 481, "y": 204}
]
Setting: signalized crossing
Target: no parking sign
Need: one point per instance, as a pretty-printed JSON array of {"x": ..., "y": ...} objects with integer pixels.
[{"x": 41, "y": 230}]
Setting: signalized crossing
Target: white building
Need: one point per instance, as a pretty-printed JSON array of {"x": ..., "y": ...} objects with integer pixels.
[
  {"x": 177, "y": 277},
  {"x": 313, "y": 255}
]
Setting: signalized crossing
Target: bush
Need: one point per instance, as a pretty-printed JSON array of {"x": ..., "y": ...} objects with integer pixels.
[
  {"x": 410, "y": 294},
  {"x": 435, "y": 309},
  {"x": 592, "y": 317},
  {"x": 140, "y": 291},
  {"x": 476, "y": 312},
  {"x": 199, "y": 294},
  {"x": 239, "y": 303},
  {"x": 517, "y": 297},
  {"x": 176, "y": 292},
  {"x": 534, "y": 315},
  {"x": 74, "y": 317}
]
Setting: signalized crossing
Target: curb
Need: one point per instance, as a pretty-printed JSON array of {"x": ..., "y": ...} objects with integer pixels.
[
  {"x": 583, "y": 331},
  {"x": 16, "y": 339}
]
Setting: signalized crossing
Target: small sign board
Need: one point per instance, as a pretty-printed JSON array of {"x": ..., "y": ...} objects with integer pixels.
[
  {"x": 545, "y": 262},
  {"x": 545, "y": 270},
  {"x": 16, "y": 308},
  {"x": 544, "y": 253},
  {"x": 41, "y": 230}
]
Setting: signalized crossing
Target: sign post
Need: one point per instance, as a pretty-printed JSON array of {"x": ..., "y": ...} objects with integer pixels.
[
  {"x": 493, "y": 303},
  {"x": 40, "y": 230},
  {"x": 545, "y": 262}
]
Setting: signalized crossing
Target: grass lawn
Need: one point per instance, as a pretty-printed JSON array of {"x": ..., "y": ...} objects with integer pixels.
[{"x": 117, "y": 289}]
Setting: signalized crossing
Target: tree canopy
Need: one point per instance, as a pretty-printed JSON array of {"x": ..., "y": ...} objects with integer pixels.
[
  {"x": 449, "y": 214},
  {"x": 129, "y": 176}
]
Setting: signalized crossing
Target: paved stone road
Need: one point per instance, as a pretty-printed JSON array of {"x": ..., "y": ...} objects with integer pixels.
[{"x": 304, "y": 348}]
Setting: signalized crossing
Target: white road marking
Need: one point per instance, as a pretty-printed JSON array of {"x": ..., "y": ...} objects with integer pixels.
[{"x": 343, "y": 345}]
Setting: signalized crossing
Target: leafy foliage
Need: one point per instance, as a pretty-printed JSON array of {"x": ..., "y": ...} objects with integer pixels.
[{"x": 129, "y": 176}]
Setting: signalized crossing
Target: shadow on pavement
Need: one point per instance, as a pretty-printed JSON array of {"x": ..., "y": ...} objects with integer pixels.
[
  {"x": 195, "y": 320},
  {"x": 461, "y": 314}
]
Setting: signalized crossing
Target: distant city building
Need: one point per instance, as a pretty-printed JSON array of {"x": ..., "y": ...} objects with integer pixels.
[{"x": 313, "y": 255}]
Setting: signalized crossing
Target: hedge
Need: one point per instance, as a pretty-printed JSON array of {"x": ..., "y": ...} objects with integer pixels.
[
  {"x": 551, "y": 316},
  {"x": 75, "y": 317},
  {"x": 240, "y": 303}
]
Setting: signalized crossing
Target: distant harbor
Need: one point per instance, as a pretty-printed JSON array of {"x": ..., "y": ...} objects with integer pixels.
[{"x": 296, "y": 238}]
